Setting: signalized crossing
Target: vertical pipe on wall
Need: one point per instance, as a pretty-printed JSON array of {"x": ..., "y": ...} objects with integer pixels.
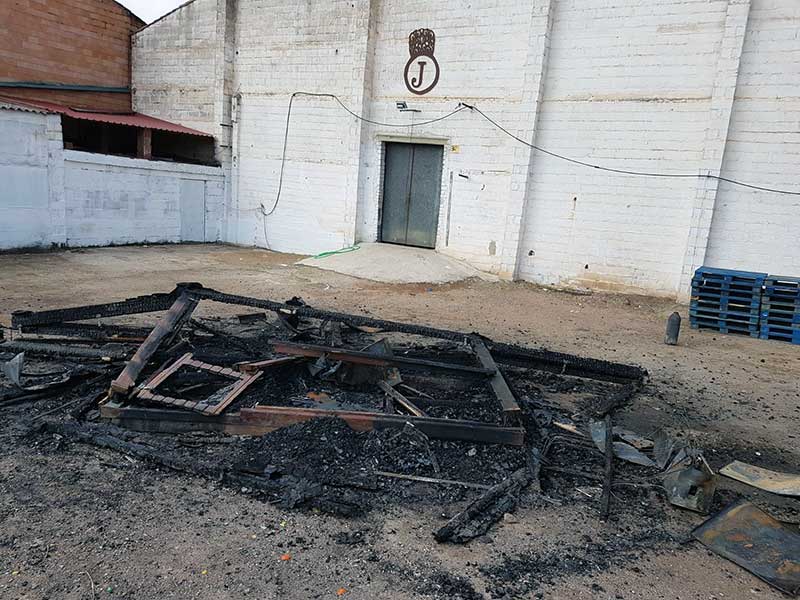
[{"x": 233, "y": 209}]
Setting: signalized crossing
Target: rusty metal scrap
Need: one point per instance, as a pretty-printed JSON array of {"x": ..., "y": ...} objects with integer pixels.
[
  {"x": 749, "y": 537},
  {"x": 784, "y": 484},
  {"x": 691, "y": 487}
]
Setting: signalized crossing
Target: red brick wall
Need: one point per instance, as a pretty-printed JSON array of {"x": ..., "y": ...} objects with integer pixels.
[{"x": 79, "y": 42}]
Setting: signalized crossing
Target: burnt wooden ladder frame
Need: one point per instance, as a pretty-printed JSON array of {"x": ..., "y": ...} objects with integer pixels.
[{"x": 244, "y": 380}]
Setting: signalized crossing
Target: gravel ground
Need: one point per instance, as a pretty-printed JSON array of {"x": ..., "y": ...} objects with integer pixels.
[{"x": 81, "y": 522}]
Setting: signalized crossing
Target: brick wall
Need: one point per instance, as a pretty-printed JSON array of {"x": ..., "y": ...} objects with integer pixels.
[
  {"x": 79, "y": 42},
  {"x": 483, "y": 50},
  {"x": 284, "y": 47},
  {"x": 628, "y": 86}
]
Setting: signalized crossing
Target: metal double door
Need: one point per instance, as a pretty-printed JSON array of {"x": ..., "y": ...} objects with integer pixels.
[{"x": 412, "y": 185}]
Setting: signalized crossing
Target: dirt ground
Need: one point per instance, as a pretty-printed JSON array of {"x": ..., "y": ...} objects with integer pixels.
[{"x": 106, "y": 526}]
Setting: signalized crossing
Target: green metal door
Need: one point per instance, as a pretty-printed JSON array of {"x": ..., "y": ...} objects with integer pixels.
[{"x": 412, "y": 185}]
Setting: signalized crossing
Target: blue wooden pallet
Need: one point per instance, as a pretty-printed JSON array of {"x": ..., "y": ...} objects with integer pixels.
[
  {"x": 730, "y": 274},
  {"x": 784, "y": 334},
  {"x": 780, "y": 309},
  {"x": 727, "y": 301},
  {"x": 779, "y": 317},
  {"x": 725, "y": 327}
]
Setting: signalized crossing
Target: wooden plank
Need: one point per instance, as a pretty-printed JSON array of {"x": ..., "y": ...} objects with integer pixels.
[
  {"x": 443, "y": 429},
  {"x": 367, "y": 358},
  {"x": 498, "y": 382},
  {"x": 167, "y": 327},
  {"x": 235, "y": 393},
  {"x": 263, "y": 365},
  {"x": 609, "y": 470},
  {"x": 420, "y": 479},
  {"x": 162, "y": 420},
  {"x": 264, "y": 419},
  {"x": 400, "y": 399},
  {"x": 165, "y": 374}
]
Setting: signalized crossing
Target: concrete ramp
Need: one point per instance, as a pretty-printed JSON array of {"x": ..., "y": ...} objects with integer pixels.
[{"x": 389, "y": 263}]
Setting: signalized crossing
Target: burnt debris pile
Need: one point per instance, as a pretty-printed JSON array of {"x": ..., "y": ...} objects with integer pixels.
[{"x": 311, "y": 408}]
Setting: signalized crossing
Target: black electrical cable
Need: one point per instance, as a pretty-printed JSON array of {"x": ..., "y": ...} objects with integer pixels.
[
  {"x": 462, "y": 106},
  {"x": 266, "y": 213},
  {"x": 625, "y": 171}
]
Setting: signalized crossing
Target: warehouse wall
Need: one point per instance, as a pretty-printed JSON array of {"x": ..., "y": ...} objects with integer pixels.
[
  {"x": 53, "y": 197},
  {"x": 688, "y": 87},
  {"x": 484, "y": 51},
  {"x": 751, "y": 229},
  {"x": 312, "y": 46},
  {"x": 117, "y": 200},
  {"x": 79, "y": 42},
  {"x": 31, "y": 172},
  {"x": 174, "y": 67},
  {"x": 628, "y": 86}
]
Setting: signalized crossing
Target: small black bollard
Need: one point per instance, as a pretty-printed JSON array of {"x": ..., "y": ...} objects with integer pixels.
[{"x": 673, "y": 329}]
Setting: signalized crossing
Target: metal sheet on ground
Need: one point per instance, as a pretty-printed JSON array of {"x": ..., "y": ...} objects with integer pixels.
[
  {"x": 785, "y": 484},
  {"x": 749, "y": 537}
]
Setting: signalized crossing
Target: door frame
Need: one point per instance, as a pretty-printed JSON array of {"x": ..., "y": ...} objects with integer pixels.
[{"x": 444, "y": 184}]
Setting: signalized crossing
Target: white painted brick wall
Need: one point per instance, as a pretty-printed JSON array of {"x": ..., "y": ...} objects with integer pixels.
[
  {"x": 755, "y": 230},
  {"x": 117, "y": 200},
  {"x": 31, "y": 171},
  {"x": 174, "y": 67},
  {"x": 285, "y": 47},
  {"x": 483, "y": 50},
  {"x": 629, "y": 84}
]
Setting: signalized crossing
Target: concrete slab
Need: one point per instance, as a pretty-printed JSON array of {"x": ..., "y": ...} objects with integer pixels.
[{"x": 389, "y": 263}]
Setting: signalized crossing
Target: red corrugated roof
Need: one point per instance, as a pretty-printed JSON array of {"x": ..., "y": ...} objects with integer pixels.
[{"x": 130, "y": 119}]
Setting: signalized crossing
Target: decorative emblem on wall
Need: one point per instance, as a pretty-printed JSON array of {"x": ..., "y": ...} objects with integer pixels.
[{"x": 422, "y": 70}]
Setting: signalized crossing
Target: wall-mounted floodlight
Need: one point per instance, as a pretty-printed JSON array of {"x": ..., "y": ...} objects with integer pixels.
[{"x": 402, "y": 106}]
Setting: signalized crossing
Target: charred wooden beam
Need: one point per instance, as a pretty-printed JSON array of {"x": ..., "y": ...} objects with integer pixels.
[
  {"x": 443, "y": 429},
  {"x": 271, "y": 363},
  {"x": 368, "y": 358},
  {"x": 481, "y": 514},
  {"x": 397, "y": 397},
  {"x": 47, "y": 349},
  {"x": 131, "y": 306},
  {"x": 167, "y": 327},
  {"x": 609, "y": 473},
  {"x": 511, "y": 409},
  {"x": 535, "y": 358},
  {"x": 264, "y": 419}
]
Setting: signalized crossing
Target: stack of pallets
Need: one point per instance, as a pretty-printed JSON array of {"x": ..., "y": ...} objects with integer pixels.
[
  {"x": 780, "y": 309},
  {"x": 726, "y": 301}
]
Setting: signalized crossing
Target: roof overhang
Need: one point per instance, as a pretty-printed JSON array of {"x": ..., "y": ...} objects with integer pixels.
[{"x": 129, "y": 119}]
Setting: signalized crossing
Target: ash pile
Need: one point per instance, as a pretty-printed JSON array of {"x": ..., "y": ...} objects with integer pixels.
[{"x": 345, "y": 414}]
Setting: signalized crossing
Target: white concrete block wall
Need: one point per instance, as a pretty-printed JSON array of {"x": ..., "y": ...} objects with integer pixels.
[
  {"x": 636, "y": 85},
  {"x": 31, "y": 196},
  {"x": 174, "y": 67},
  {"x": 117, "y": 200},
  {"x": 284, "y": 47},
  {"x": 628, "y": 86},
  {"x": 755, "y": 230},
  {"x": 483, "y": 50}
]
